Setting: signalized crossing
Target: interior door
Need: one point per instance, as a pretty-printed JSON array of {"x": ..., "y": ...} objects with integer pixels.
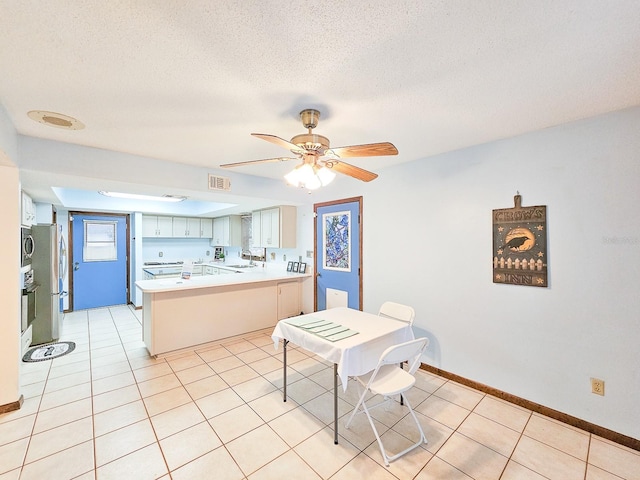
[
  {"x": 99, "y": 251},
  {"x": 338, "y": 248}
]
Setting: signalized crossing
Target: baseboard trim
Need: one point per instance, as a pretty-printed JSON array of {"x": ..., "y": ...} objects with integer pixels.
[
  {"x": 529, "y": 405},
  {"x": 10, "y": 407}
]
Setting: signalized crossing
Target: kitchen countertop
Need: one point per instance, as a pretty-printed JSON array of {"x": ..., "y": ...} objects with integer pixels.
[{"x": 246, "y": 275}]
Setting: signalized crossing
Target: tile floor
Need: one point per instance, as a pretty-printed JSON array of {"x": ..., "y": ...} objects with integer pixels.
[{"x": 107, "y": 410}]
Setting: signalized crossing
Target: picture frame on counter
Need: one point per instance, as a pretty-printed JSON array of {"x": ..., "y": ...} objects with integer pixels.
[
  {"x": 302, "y": 268},
  {"x": 296, "y": 266},
  {"x": 290, "y": 267}
]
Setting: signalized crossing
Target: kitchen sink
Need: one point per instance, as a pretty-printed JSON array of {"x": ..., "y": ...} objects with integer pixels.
[{"x": 240, "y": 266}]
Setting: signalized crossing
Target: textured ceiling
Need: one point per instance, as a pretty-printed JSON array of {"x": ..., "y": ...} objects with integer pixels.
[{"x": 189, "y": 81}]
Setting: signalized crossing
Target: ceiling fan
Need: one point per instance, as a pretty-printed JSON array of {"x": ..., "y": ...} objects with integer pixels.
[{"x": 320, "y": 161}]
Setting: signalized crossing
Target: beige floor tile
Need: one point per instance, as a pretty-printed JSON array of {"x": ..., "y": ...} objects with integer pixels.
[
  {"x": 239, "y": 375},
  {"x": 234, "y": 423},
  {"x": 515, "y": 471},
  {"x": 66, "y": 395},
  {"x": 406, "y": 466},
  {"x": 166, "y": 400},
  {"x": 213, "y": 354},
  {"x": 238, "y": 346},
  {"x": 158, "y": 385},
  {"x": 119, "y": 417},
  {"x": 67, "y": 381},
  {"x": 206, "y": 386},
  {"x": 615, "y": 459},
  {"x": 257, "y": 448},
  {"x": 29, "y": 407},
  {"x": 176, "y": 420},
  {"x": 296, "y": 426},
  {"x": 276, "y": 377},
  {"x": 438, "y": 469},
  {"x": 304, "y": 390},
  {"x": 507, "y": 414},
  {"x": 459, "y": 394},
  {"x": 321, "y": 407},
  {"x": 254, "y": 388},
  {"x": 154, "y": 371},
  {"x": 110, "y": 359},
  {"x": 307, "y": 366},
  {"x": 113, "y": 382},
  {"x": 66, "y": 413},
  {"x": 595, "y": 473},
  {"x": 428, "y": 382},
  {"x": 193, "y": 374},
  {"x": 16, "y": 429},
  {"x": 12, "y": 454},
  {"x": 323, "y": 456},
  {"x": 472, "y": 458},
  {"x": 11, "y": 475},
  {"x": 282, "y": 466},
  {"x": 219, "y": 402},
  {"x": 443, "y": 411},
  {"x": 33, "y": 390},
  {"x": 268, "y": 364},
  {"x": 567, "y": 439},
  {"x": 123, "y": 441},
  {"x": 115, "y": 398},
  {"x": 110, "y": 369},
  {"x": 363, "y": 467},
  {"x": 490, "y": 434},
  {"x": 253, "y": 355},
  {"x": 68, "y": 369},
  {"x": 59, "y": 438},
  {"x": 226, "y": 363},
  {"x": 218, "y": 461},
  {"x": 187, "y": 361},
  {"x": 189, "y": 444},
  {"x": 68, "y": 463},
  {"x": 272, "y": 406},
  {"x": 143, "y": 464},
  {"x": 359, "y": 432},
  {"x": 548, "y": 461}
]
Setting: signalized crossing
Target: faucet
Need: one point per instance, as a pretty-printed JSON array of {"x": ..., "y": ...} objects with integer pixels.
[{"x": 251, "y": 262}]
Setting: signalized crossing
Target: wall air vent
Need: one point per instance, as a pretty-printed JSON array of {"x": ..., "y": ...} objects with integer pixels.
[{"x": 219, "y": 183}]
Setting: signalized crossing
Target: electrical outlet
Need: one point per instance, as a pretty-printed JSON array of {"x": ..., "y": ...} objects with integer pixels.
[
  {"x": 309, "y": 253},
  {"x": 160, "y": 254},
  {"x": 597, "y": 386}
]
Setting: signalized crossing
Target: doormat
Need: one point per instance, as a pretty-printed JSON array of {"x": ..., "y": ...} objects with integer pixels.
[{"x": 48, "y": 352}]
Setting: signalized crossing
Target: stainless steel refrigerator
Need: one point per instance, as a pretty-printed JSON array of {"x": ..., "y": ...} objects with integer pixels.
[{"x": 44, "y": 263}]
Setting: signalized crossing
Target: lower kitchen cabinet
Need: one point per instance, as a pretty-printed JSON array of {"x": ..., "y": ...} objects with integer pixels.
[{"x": 288, "y": 299}]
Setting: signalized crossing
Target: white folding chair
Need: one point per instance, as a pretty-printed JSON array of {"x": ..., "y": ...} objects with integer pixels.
[
  {"x": 398, "y": 311},
  {"x": 388, "y": 379}
]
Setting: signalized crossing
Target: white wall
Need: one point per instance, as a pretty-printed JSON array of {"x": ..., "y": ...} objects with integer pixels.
[
  {"x": 428, "y": 243},
  {"x": 10, "y": 260}
]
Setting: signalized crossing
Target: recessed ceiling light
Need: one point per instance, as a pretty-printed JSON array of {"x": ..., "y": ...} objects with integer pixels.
[
  {"x": 57, "y": 120},
  {"x": 135, "y": 196}
]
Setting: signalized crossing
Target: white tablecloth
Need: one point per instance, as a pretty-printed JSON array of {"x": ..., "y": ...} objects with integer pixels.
[{"x": 355, "y": 355}]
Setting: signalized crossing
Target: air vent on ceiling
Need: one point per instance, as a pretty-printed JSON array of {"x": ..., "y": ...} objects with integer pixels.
[{"x": 219, "y": 183}]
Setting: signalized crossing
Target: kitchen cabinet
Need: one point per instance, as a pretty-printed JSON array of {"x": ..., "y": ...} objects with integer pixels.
[
  {"x": 288, "y": 299},
  {"x": 206, "y": 228},
  {"x": 28, "y": 210},
  {"x": 274, "y": 227},
  {"x": 227, "y": 231},
  {"x": 157, "y": 226},
  {"x": 186, "y": 227}
]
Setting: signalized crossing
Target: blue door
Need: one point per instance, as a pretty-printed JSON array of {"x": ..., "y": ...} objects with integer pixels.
[
  {"x": 99, "y": 260},
  {"x": 338, "y": 250}
]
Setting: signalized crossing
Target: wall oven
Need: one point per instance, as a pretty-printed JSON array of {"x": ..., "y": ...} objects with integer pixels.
[{"x": 27, "y": 246}]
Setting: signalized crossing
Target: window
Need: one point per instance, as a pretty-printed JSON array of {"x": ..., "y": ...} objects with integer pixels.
[{"x": 100, "y": 241}]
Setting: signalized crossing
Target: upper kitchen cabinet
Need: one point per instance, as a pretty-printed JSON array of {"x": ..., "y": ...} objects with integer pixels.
[
  {"x": 227, "y": 231},
  {"x": 186, "y": 227},
  {"x": 28, "y": 211},
  {"x": 274, "y": 227},
  {"x": 157, "y": 226},
  {"x": 206, "y": 227}
]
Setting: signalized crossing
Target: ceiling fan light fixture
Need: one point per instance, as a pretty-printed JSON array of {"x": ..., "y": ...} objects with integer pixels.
[{"x": 310, "y": 176}]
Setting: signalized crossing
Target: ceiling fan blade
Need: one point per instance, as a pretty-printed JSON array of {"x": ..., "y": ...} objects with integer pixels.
[
  {"x": 281, "y": 142},
  {"x": 368, "y": 150},
  {"x": 253, "y": 162},
  {"x": 352, "y": 170}
]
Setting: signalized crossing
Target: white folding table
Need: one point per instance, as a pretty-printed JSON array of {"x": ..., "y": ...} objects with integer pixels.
[{"x": 351, "y": 356}]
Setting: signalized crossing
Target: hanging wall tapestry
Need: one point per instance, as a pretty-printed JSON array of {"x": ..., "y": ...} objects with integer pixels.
[
  {"x": 520, "y": 245},
  {"x": 336, "y": 239}
]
